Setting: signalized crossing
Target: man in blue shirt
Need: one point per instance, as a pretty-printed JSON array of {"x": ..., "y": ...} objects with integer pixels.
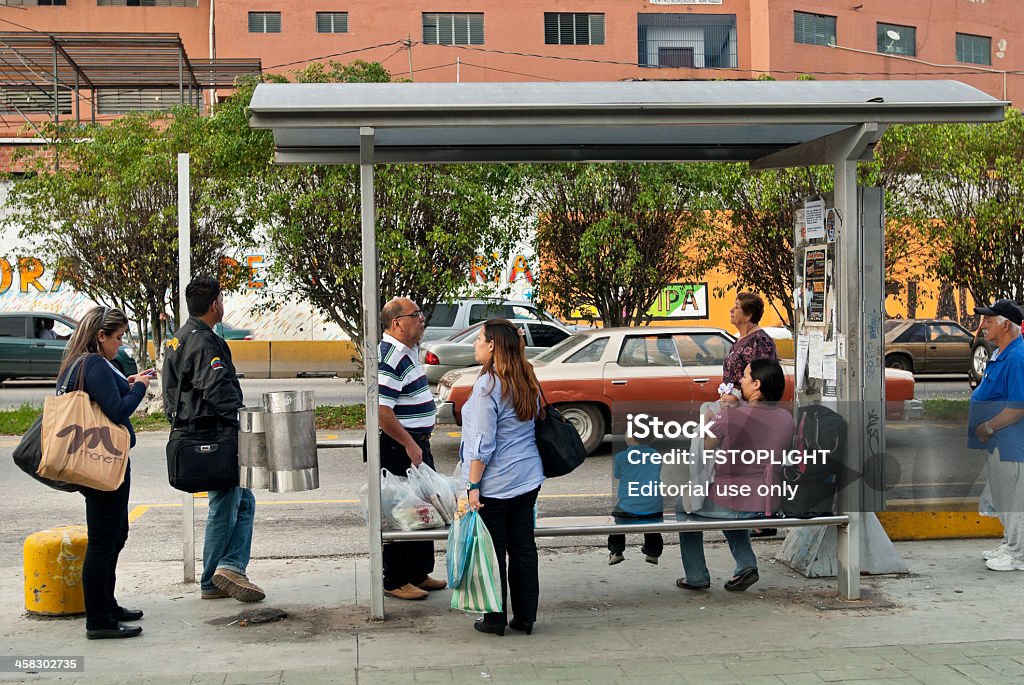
[{"x": 995, "y": 424}]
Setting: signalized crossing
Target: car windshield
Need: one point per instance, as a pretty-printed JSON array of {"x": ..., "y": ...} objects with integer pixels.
[
  {"x": 465, "y": 336},
  {"x": 891, "y": 324},
  {"x": 554, "y": 352}
]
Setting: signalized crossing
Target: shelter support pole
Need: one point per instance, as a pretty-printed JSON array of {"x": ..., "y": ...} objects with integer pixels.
[
  {"x": 188, "y": 520},
  {"x": 858, "y": 304},
  {"x": 371, "y": 338}
]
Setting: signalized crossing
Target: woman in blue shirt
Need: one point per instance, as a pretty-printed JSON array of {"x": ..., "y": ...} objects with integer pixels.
[
  {"x": 502, "y": 467},
  {"x": 97, "y": 339}
]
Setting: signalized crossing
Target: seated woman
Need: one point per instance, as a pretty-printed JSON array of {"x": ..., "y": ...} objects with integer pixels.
[{"x": 757, "y": 425}]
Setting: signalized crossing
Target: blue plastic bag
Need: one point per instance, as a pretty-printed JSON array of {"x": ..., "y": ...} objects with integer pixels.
[
  {"x": 460, "y": 547},
  {"x": 479, "y": 590}
]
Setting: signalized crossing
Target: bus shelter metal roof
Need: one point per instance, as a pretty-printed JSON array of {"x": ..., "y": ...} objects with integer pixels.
[
  {"x": 634, "y": 121},
  {"x": 769, "y": 124}
]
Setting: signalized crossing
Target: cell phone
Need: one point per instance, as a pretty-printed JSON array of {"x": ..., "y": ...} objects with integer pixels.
[{"x": 149, "y": 372}]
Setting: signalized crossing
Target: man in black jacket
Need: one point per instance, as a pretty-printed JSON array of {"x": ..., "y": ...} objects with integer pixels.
[{"x": 201, "y": 395}]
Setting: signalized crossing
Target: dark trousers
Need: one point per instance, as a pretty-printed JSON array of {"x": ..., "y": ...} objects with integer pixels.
[
  {"x": 510, "y": 523},
  {"x": 654, "y": 544},
  {"x": 106, "y": 517},
  {"x": 405, "y": 562}
]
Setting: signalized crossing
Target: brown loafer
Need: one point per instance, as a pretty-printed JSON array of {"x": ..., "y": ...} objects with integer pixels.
[
  {"x": 407, "y": 591},
  {"x": 237, "y": 585},
  {"x": 431, "y": 584}
]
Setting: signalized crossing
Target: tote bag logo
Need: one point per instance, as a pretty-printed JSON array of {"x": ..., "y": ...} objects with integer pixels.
[{"x": 91, "y": 438}]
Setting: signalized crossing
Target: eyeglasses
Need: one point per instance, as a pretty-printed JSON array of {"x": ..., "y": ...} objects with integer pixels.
[{"x": 418, "y": 313}]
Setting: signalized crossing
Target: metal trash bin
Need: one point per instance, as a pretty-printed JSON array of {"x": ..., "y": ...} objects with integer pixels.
[
  {"x": 290, "y": 429},
  {"x": 253, "y": 471}
]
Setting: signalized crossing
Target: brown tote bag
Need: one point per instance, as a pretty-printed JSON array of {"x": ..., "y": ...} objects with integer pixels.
[{"x": 80, "y": 444}]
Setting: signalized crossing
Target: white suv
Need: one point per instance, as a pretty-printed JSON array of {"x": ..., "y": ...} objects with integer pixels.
[{"x": 448, "y": 319}]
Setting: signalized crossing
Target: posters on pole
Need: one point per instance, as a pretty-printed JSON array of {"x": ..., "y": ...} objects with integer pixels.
[
  {"x": 814, "y": 217},
  {"x": 802, "y": 349},
  {"x": 815, "y": 277}
]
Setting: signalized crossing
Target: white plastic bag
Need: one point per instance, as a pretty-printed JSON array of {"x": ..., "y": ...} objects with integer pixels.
[
  {"x": 405, "y": 508},
  {"x": 435, "y": 489}
]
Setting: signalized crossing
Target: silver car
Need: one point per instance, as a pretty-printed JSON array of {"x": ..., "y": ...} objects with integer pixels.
[{"x": 456, "y": 352}]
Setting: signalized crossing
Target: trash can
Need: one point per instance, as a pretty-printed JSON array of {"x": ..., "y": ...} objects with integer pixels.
[
  {"x": 53, "y": 571},
  {"x": 291, "y": 441},
  {"x": 253, "y": 472}
]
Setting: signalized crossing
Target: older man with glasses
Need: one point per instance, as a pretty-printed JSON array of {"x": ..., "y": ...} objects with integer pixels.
[
  {"x": 407, "y": 415},
  {"x": 995, "y": 425}
]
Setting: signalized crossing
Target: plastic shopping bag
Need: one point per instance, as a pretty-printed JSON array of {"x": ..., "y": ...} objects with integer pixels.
[
  {"x": 480, "y": 588},
  {"x": 460, "y": 544},
  {"x": 435, "y": 489},
  {"x": 404, "y": 508}
]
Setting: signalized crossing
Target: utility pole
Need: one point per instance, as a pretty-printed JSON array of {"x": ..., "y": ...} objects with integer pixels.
[{"x": 408, "y": 47}]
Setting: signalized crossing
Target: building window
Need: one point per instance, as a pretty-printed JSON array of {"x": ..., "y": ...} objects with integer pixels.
[
  {"x": 264, "y": 22},
  {"x": 695, "y": 41},
  {"x": 573, "y": 28},
  {"x": 33, "y": 3},
  {"x": 143, "y": 3},
  {"x": 123, "y": 101},
  {"x": 894, "y": 39},
  {"x": 973, "y": 49},
  {"x": 814, "y": 29},
  {"x": 332, "y": 22},
  {"x": 453, "y": 29}
]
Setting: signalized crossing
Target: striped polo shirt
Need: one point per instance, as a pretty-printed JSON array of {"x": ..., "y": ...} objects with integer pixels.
[{"x": 403, "y": 385}]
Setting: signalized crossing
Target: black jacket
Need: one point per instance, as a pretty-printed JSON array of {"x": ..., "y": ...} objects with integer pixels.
[{"x": 199, "y": 362}]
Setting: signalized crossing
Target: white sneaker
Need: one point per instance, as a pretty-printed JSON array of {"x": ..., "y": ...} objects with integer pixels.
[
  {"x": 996, "y": 551},
  {"x": 1004, "y": 562}
]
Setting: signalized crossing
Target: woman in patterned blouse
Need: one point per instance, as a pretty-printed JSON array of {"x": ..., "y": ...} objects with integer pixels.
[{"x": 753, "y": 343}]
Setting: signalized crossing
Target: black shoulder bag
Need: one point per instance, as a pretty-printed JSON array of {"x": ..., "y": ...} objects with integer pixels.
[
  {"x": 200, "y": 460},
  {"x": 561, "y": 449}
]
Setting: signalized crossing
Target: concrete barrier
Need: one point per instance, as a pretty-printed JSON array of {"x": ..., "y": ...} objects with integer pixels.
[
  {"x": 53, "y": 571},
  {"x": 938, "y": 525}
]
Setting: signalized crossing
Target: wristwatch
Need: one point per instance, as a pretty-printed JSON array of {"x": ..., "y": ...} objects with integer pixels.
[
  {"x": 989, "y": 429},
  {"x": 472, "y": 486}
]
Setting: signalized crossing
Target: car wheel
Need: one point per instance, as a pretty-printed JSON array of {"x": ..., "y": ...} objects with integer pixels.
[
  {"x": 899, "y": 361},
  {"x": 587, "y": 421},
  {"x": 979, "y": 360}
]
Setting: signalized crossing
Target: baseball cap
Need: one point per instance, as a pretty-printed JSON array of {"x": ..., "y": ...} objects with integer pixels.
[{"x": 1006, "y": 308}]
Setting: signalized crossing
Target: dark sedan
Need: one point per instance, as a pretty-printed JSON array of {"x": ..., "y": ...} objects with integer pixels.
[{"x": 927, "y": 346}]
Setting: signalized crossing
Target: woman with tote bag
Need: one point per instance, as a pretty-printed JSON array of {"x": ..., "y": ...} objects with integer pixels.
[
  {"x": 98, "y": 338},
  {"x": 502, "y": 467}
]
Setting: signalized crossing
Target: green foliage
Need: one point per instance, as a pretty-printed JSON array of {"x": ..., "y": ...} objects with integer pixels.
[
  {"x": 18, "y": 421},
  {"x": 432, "y": 220},
  {"x": 962, "y": 187},
  {"x": 754, "y": 239},
  {"x": 612, "y": 236},
  {"x": 344, "y": 417},
  {"x": 946, "y": 410},
  {"x": 806, "y": 77},
  {"x": 102, "y": 199}
]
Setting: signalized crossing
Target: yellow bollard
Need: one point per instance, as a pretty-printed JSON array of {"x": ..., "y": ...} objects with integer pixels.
[{"x": 53, "y": 571}]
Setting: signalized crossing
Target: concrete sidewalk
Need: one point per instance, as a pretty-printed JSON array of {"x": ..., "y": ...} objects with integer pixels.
[{"x": 950, "y": 621}]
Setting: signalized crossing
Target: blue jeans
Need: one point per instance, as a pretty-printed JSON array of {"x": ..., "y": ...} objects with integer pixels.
[
  {"x": 691, "y": 544},
  {"x": 228, "y": 540}
]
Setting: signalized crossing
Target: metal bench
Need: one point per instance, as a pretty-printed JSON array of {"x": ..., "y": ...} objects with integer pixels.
[{"x": 564, "y": 526}]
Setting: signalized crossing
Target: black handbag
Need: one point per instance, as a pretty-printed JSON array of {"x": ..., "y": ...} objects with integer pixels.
[
  {"x": 561, "y": 449},
  {"x": 29, "y": 451},
  {"x": 201, "y": 460}
]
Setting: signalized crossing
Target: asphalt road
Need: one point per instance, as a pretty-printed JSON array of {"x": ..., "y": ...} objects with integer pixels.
[
  {"x": 337, "y": 391},
  {"x": 326, "y": 390},
  {"x": 927, "y": 460}
]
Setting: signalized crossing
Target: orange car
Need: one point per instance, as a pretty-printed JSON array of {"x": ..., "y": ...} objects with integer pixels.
[{"x": 591, "y": 372}]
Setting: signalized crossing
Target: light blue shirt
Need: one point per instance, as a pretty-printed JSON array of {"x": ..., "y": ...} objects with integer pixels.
[{"x": 494, "y": 435}]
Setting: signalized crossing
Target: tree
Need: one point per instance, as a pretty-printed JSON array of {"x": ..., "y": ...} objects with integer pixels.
[
  {"x": 102, "y": 199},
  {"x": 612, "y": 236},
  {"x": 432, "y": 220},
  {"x": 962, "y": 186}
]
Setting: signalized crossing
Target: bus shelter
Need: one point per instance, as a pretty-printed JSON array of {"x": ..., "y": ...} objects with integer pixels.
[{"x": 768, "y": 124}]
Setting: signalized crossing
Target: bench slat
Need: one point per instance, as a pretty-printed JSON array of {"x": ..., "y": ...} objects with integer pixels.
[{"x": 563, "y": 526}]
